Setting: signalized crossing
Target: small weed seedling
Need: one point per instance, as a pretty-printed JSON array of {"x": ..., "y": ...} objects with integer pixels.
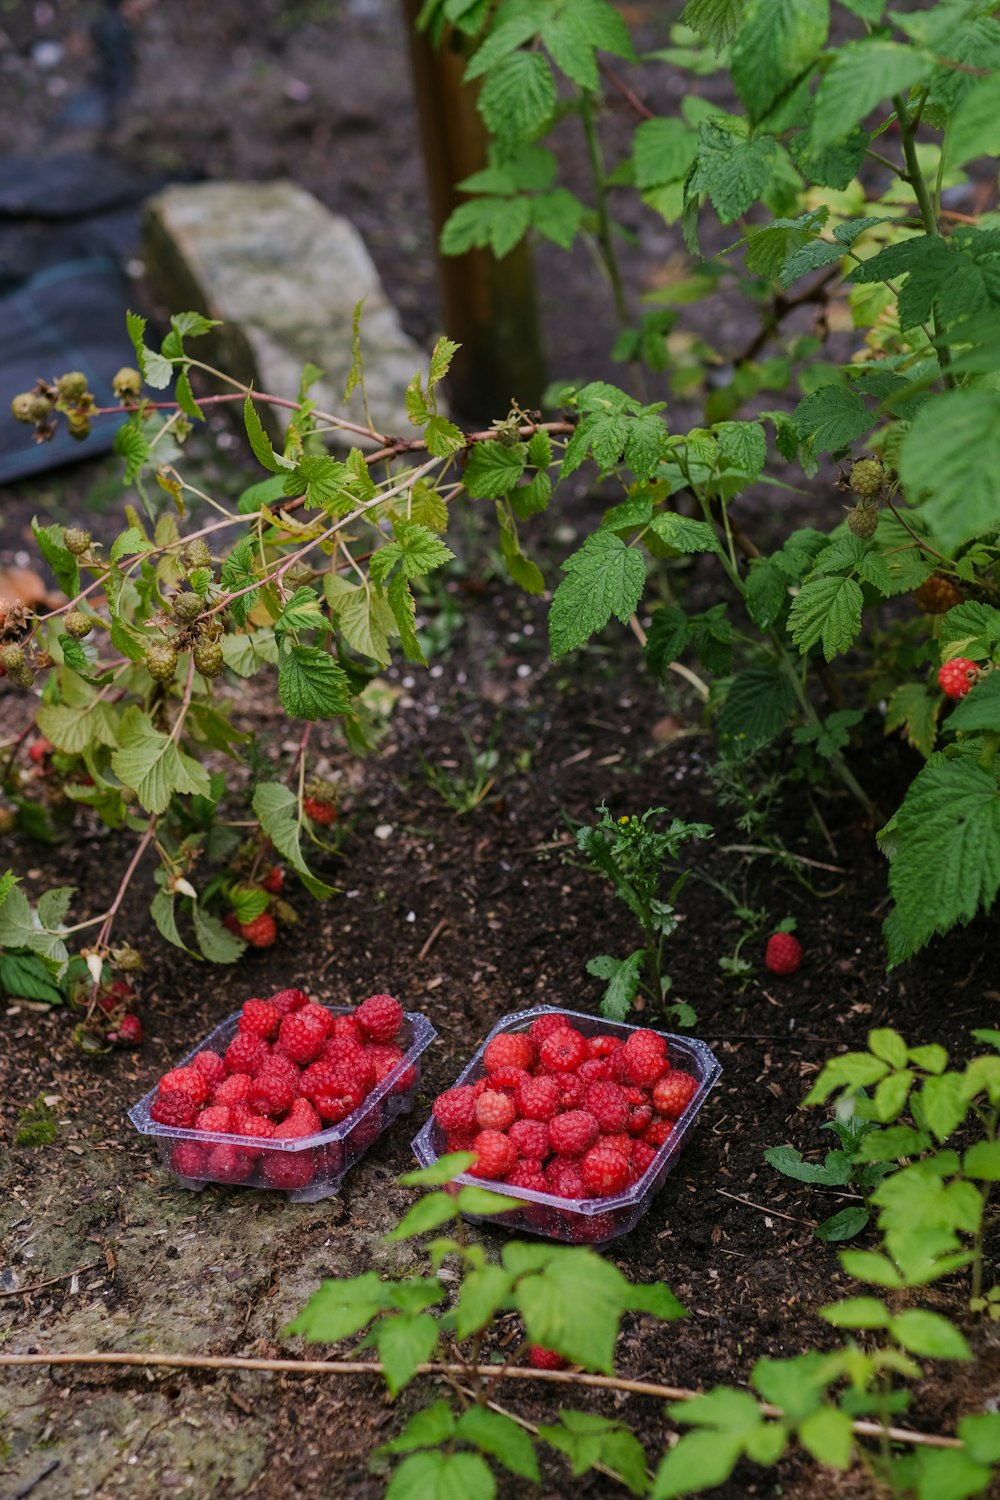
[
  {"x": 838, "y": 1169},
  {"x": 464, "y": 790}
]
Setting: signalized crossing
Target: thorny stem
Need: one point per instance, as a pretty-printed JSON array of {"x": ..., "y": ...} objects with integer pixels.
[
  {"x": 140, "y": 849},
  {"x": 175, "y": 733},
  {"x": 604, "y": 231}
]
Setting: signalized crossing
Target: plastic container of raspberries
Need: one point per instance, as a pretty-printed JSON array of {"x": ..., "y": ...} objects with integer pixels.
[
  {"x": 294, "y": 1123},
  {"x": 629, "y": 1157}
]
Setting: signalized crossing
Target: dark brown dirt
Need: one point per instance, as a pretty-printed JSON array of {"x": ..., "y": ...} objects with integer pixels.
[{"x": 465, "y": 917}]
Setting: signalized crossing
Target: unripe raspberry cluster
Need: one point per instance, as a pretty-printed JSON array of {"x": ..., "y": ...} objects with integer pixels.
[
  {"x": 292, "y": 1070},
  {"x": 560, "y": 1113}
]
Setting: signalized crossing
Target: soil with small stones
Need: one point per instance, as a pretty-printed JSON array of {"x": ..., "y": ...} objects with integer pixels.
[{"x": 464, "y": 916}]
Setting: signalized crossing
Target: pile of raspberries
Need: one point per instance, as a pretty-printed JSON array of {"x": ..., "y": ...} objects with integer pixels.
[
  {"x": 557, "y": 1112},
  {"x": 292, "y": 1069}
]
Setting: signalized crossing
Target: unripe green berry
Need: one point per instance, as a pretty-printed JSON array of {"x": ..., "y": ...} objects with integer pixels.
[
  {"x": 161, "y": 661},
  {"x": 77, "y": 540},
  {"x": 127, "y": 384},
  {"x": 863, "y": 521},
  {"x": 208, "y": 658},
  {"x": 867, "y": 477},
  {"x": 78, "y": 624},
  {"x": 22, "y": 677},
  {"x": 78, "y": 425},
  {"x": 197, "y": 554},
  {"x": 72, "y": 386},
  {"x": 30, "y": 406},
  {"x": 187, "y": 607},
  {"x": 11, "y": 658}
]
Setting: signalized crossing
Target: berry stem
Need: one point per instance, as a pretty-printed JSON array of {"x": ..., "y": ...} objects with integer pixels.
[{"x": 112, "y": 911}]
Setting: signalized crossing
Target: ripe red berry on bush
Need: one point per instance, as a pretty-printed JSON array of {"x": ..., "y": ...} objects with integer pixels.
[{"x": 958, "y": 676}]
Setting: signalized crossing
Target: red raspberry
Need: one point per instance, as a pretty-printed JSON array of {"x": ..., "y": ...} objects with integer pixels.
[
  {"x": 272, "y": 1092},
  {"x": 188, "y": 1159},
  {"x": 319, "y": 1078},
  {"x": 645, "y": 1057},
  {"x": 460, "y": 1140},
  {"x": 380, "y": 1017},
  {"x": 543, "y": 1026},
  {"x": 538, "y": 1098},
  {"x": 302, "y": 1036},
  {"x": 245, "y": 1053},
  {"x": 455, "y": 1109},
  {"x": 39, "y": 749},
  {"x": 595, "y": 1070},
  {"x": 319, "y": 810},
  {"x": 317, "y": 1015},
  {"x": 495, "y": 1111},
  {"x": 228, "y": 1164},
  {"x": 342, "y": 1049},
  {"x": 563, "y": 1051},
  {"x": 239, "y": 1114},
  {"x": 211, "y": 1064},
  {"x": 572, "y": 1090},
  {"x": 594, "y": 1229},
  {"x": 958, "y": 676},
  {"x": 231, "y": 923},
  {"x": 619, "y": 1142},
  {"x": 639, "y": 1117},
  {"x": 608, "y": 1105},
  {"x": 341, "y": 1099},
  {"x": 545, "y": 1359},
  {"x": 130, "y": 1032},
  {"x": 604, "y": 1171},
  {"x": 191, "y": 1080},
  {"x": 673, "y": 1093},
  {"x": 288, "y": 1001},
  {"x": 564, "y": 1178},
  {"x": 531, "y": 1137},
  {"x": 260, "y": 1018},
  {"x": 346, "y": 1029},
  {"x": 384, "y": 1059},
  {"x": 573, "y": 1133},
  {"x": 527, "y": 1175},
  {"x": 274, "y": 881},
  {"x": 291, "y": 1170},
  {"x": 173, "y": 1107},
  {"x": 217, "y": 1117},
  {"x": 261, "y": 932},
  {"x": 233, "y": 1090},
  {"x": 507, "y": 1078},
  {"x": 496, "y": 1155},
  {"x": 783, "y": 953},
  {"x": 657, "y": 1132},
  {"x": 511, "y": 1049},
  {"x": 603, "y": 1045},
  {"x": 302, "y": 1121},
  {"x": 258, "y": 1127},
  {"x": 643, "y": 1156}
]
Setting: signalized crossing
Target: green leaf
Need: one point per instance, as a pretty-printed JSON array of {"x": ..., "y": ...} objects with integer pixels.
[
  {"x": 155, "y": 370},
  {"x": 26, "y": 977},
  {"x": 826, "y": 609},
  {"x": 734, "y": 172},
  {"x": 980, "y": 709},
  {"x": 404, "y": 1342},
  {"x": 19, "y": 929},
  {"x": 416, "y": 551},
  {"x": 982, "y": 1161},
  {"x": 834, "y": 1172},
  {"x": 443, "y": 438},
  {"x": 483, "y": 1293},
  {"x": 699, "y": 1461},
  {"x": 493, "y": 469},
  {"x": 311, "y": 685},
  {"x": 521, "y": 569},
  {"x": 428, "y": 1213},
  {"x": 364, "y": 617},
  {"x": 866, "y": 1265},
  {"x": 550, "y": 1301},
  {"x": 929, "y": 1334},
  {"x": 588, "y": 1441},
  {"x": 342, "y": 1307},
  {"x": 716, "y": 21},
  {"x": 623, "y": 976},
  {"x": 59, "y": 558},
  {"x": 970, "y": 630},
  {"x": 862, "y": 75},
  {"x": 888, "y": 1044},
  {"x": 429, "y": 1428},
  {"x": 831, "y": 418},
  {"x": 326, "y": 482},
  {"x": 981, "y": 1436},
  {"x": 776, "y": 43},
  {"x": 857, "y": 1312},
  {"x": 603, "y": 578},
  {"x": 496, "y": 223},
  {"x": 442, "y": 1476},
  {"x": 932, "y": 1058},
  {"x": 949, "y": 1476},
  {"x": 217, "y": 943},
  {"x": 947, "y": 863},
  {"x": 404, "y": 610},
  {"x": 683, "y": 534},
  {"x": 502, "y": 1439},
  {"x": 445, "y": 1169},
  {"x": 277, "y": 807},
  {"x": 153, "y": 765},
  {"x": 828, "y": 1435},
  {"x": 53, "y": 905},
  {"x": 891, "y": 1096},
  {"x": 300, "y": 612},
  {"x": 843, "y": 1225},
  {"x": 518, "y": 97},
  {"x": 163, "y": 910},
  {"x": 663, "y": 150},
  {"x": 239, "y": 573},
  {"x": 248, "y": 654},
  {"x": 259, "y": 440},
  {"x": 129, "y": 543},
  {"x": 657, "y": 1299},
  {"x": 756, "y": 709},
  {"x": 975, "y": 126},
  {"x": 766, "y": 592},
  {"x": 913, "y": 708},
  {"x": 852, "y": 1070}
]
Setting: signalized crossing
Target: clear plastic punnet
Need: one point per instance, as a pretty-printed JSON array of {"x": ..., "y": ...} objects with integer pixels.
[
  {"x": 307, "y": 1169},
  {"x": 591, "y": 1221}
]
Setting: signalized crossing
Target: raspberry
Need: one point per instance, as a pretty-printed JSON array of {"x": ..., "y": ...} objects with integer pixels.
[
  {"x": 507, "y": 1078},
  {"x": 543, "y": 1026},
  {"x": 344, "y": 1095},
  {"x": 531, "y": 1138},
  {"x": 863, "y": 521},
  {"x": 272, "y": 1092},
  {"x": 958, "y": 676},
  {"x": 639, "y": 1117},
  {"x": 197, "y": 554},
  {"x": 867, "y": 477},
  {"x": 511, "y": 1049},
  {"x": 384, "y": 1059},
  {"x": 301, "y": 1037},
  {"x": 39, "y": 750},
  {"x": 573, "y": 1133},
  {"x": 261, "y": 932},
  {"x": 643, "y": 1156},
  {"x": 594, "y": 1229},
  {"x": 342, "y": 1049},
  {"x": 603, "y": 1045},
  {"x": 455, "y": 1109},
  {"x": 528, "y": 1175},
  {"x": 245, "y": 1053},
  {"x": 380, "y": 1017},
  {"x": 274, "y": 881},
  {"x": 595, "y": 1070},
  {"x": 346, "y": 1029},
  {"x": 563, "y": 1051},
  {"x": 495, "y": 1111},
  {"x": 460, "y": 1140},
  {"x": 572, "y": 1090},
  {"x": 190, "y": 1080},
  {"x": 217, "y": 1117},
  {"x": 173, "y": 1107},
  {"x": 232, "y": 1090},
  {"x": 496, "y": 1155},
  {"x": 319, "y": 1078},
  {"x": 161, "y": 661},
  {"x": 228, "y": 1164},
  {"x": 674, "y": 1093},
  {"x": 287, "y": 1001},
  {"x": 258, "y": 1126},
  {"x": 188, "y": 1159},
  {"x": 239, "y": 1114},
  {"x": 620, "y": 1142},
  {"x": 936, "y": 595},
  {"x": 260, "y": 1018},
  {"x": 657, "y": 1132},
  {"x": 608, "y": 1105},
  {"x": 604, "y": 1171},
  {"x": 319, "y": 810},
  {"x": 130, "y": 1032},
  {"x": 783, "y": 953},
  {"x": 538, "y": 1098},
  {"x": 545, "y": 1359},
  {"x": 208, "y": 658},
  {"x": 290, "y": 1170},
  {"x": 77, "y": 540},
  {"x": 563, "y": 1178},
  {"x": 316, "y": 1014}
]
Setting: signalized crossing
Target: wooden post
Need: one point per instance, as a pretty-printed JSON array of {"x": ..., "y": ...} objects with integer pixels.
[{"x": 490, "y": 306}]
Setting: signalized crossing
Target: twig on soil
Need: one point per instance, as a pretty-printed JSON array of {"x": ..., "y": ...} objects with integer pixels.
[
  {"x": 800, "y": 859},
  {"x": 26, "y": 1489},
  {"x": 442, "y": 926},
  {"x": 373, "y": 1367},
  {"x": 28, "y": 1291},
  {"x": 762, "y": 1209}
]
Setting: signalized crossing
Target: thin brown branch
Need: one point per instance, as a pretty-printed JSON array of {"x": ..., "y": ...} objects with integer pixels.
[
  {"x": 628, "y": 94},
  {"x": 781, "y": 306},
  {"x": 29, "y": 1291}
]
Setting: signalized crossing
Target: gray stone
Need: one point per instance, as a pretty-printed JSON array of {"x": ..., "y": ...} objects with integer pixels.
[{"x": 284, "y": 275}]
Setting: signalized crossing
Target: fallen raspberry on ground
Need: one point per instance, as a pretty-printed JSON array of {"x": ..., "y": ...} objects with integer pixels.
[
  {"x": 783, "y": 953},
  {"x": 545, "y": 1359}
]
